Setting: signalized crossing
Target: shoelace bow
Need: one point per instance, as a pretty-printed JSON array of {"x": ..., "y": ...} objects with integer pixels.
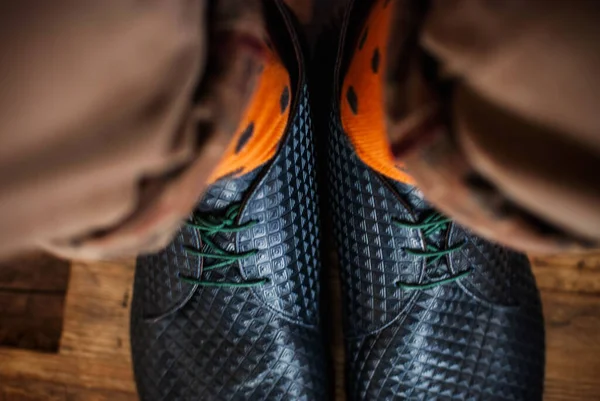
[
  {"x": 208, "y": 226},
  {"x": 432, "y": 224}
]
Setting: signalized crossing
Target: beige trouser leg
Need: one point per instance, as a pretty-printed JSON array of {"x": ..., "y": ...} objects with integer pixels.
[
  {"x": 104, "y": 147},
  {"x": 502, "y": 133}
]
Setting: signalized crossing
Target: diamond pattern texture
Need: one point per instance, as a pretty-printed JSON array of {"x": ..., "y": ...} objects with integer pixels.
[
  {"x": 287, "y": 235},
  {"x": 261, "y": 343},
  {"x": 480, "y": 338}
]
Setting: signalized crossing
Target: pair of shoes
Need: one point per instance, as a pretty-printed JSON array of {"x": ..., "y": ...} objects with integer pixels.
[{"x": 231, "y": 310}]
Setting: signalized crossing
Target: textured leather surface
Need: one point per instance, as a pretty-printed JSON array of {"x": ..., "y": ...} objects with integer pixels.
[
  {"x": 480, "y": 338},
  {"x": 261, "y": 343},
  {"x": 284, "y": 202}
]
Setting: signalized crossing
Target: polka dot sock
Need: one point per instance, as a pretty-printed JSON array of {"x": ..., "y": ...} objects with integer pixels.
[
  {"x": 362, "y": 109},
  {"x": 264, "y": 123}
]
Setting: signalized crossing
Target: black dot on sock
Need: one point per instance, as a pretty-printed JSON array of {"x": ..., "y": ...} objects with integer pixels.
[
  {"x": 352, "y": 100},
  {"x": 363, "y": 38},
  {"x": 245, "y": 137},
  {"x": 284, "y": 100},
  {"x": 375, "y": 61}
]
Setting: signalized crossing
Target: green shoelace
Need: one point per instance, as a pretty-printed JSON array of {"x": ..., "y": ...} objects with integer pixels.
[
  {"x": 208, "y": 226},
  {"x": 432, "y": 224}
]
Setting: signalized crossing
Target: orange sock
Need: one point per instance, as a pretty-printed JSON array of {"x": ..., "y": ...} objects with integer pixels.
[
  {"x": 362, "y": 110},
  {"x": 264, "y": 123}
]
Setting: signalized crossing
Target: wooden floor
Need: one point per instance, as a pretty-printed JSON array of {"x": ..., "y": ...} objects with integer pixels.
[{"x": 93, "y": 363}]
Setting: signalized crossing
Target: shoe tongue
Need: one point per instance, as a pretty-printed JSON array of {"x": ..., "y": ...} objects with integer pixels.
[{"x": 158, "y": 278}]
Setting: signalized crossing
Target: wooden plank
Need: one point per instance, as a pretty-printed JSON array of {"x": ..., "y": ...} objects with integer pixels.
[
  {"x": 43, "y": 391},
  {"x": 32, "y": 296},
  {"x": 97, "y": 311},
  {"x": 31, "y": 321},
  {"x": 113, "y": 374},
  {"x": 94, "y": 352},
  {"x": 79, "y": 394},
  {"x": 573, "y": 346},
  {"x": 573, "y": 273},
  {"x": 31, "y": 391},
  {"x": 36, "y": 271}
]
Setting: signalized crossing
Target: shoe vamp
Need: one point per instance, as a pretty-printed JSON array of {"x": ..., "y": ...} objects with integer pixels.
[
  {"x": 498, "y": 275},
  {"x": 224, "y": 345},
  {"x": 448, "y": 346}
]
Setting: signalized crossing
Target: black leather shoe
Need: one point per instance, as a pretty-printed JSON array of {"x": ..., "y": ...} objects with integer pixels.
[
  {"x": 230, "y": 310},
  {"x": 432, "y": 312}
]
